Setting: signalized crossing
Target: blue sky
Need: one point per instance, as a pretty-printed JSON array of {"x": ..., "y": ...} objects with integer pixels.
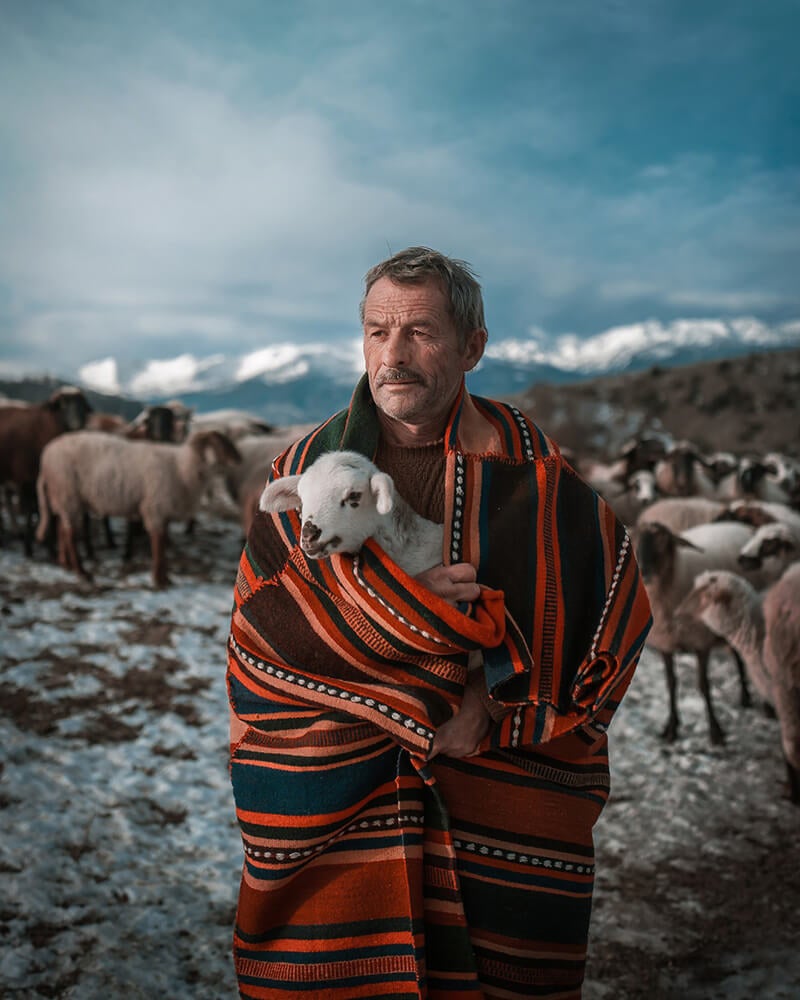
[{"x": 216, "y": 178}]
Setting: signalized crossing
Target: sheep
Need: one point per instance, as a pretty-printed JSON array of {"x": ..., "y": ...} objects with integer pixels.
[
  {"x": 156, "y": 482},
  {"x": 234, "y": 424},
  {"x": 161, "y": 422},
  {"x": 774, "y": 481},
  {"x": 669, "y": 563},
  {"x": 344, "y": 499},
  {"x": 632, "y": 496},
  {"x": 776, "y": 542},
  {"x": 241, "y": 485},
  {"x": 685, "y": 472},
  {"x": 765, "y": 629},
  {"x": 680, "y": 513},
  {"x": 24, "y": 432}
]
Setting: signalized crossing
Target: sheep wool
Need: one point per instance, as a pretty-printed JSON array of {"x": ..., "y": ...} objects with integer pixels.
[{"x": 370, "y": 870}]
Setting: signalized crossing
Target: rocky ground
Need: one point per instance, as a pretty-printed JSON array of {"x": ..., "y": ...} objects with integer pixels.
[{"x": 119, "y": 855}]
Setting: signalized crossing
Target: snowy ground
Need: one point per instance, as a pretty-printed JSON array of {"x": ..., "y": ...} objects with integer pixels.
[{"x": 120, "y": 858}]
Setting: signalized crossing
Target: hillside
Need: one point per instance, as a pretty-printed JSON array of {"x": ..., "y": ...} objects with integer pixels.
[{"x": 742, "y": 404}]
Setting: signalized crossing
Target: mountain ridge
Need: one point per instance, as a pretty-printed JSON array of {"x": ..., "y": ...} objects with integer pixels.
[{"x": 743, "y": 403}]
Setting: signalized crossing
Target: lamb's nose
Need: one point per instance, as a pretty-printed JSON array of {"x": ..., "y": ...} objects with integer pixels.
[{"x": 310, "y": 532}]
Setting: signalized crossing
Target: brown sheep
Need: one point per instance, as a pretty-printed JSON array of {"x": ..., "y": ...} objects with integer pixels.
[{"x": 24, "y": 432}]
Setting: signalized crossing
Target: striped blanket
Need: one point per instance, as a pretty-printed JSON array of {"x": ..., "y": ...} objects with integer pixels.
[{"x": 369, "y": 870}]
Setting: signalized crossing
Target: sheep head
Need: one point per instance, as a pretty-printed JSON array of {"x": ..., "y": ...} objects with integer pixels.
[
  {"x": 71, "y": 407},
  {"x": 342, "y": 499},
  {"x": 656, "y": 548},
  {"x": 214, "y": 448},
  {"x": 710, "y": 599}
]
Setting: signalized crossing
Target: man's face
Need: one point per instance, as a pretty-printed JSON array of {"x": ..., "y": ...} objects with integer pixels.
[{"x": 414, "y": 362}]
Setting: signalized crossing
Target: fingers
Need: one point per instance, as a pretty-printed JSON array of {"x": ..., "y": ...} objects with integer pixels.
[{"x": 454, "y": 583}]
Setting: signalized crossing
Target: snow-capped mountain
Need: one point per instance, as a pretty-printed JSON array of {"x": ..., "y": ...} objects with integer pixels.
[{"x": 297, "y": 382}]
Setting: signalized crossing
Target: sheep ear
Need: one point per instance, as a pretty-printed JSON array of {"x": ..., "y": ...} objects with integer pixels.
[
  {"x": 280, "y": 495},
  {"x": 382, "y": 489}
]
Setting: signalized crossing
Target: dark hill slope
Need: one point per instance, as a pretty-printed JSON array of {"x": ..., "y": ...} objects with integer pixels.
[{"x": 745, "y": 404}]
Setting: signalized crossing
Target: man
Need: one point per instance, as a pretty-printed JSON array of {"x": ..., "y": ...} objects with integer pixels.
[{"x": 412, "y": 829}]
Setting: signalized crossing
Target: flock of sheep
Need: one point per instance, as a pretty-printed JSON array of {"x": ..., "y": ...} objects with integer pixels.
[
  {"x": 67, "y": 465},
  {"x": 717, "y": 536},
  {"x": 718, "y": 544}
]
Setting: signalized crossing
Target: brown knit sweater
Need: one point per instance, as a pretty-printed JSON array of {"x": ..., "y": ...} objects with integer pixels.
[{"x": 418, "y": 474}]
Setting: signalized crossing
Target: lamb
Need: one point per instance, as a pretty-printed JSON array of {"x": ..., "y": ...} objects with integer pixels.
[
  {"x": 765, "y": 629},
  {"x": 669, "y": 563},
  {"x": 158, "y": 483},
  {"x": 344, "y": 499},
  {"x": 24, "y": 432}
]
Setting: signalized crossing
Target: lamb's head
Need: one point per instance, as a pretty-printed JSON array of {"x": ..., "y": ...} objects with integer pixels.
[{"x": 342, "y": 498}]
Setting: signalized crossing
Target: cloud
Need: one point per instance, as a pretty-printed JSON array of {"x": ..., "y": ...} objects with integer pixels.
[{"x": 193, "y": 182}]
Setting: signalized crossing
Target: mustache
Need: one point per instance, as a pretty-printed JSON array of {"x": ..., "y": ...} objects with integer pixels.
[{"x": 398, "y": 375}]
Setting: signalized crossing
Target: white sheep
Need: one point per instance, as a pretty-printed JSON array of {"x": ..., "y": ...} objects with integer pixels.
[
  {"x": 773, "y": 546},
  {"x": 681, "y": 513},
  {"x": 774, "y": 478},
  {"x": 344, "y": 499},
  {"x": 113, "y": 476},
  {"x": 234, "y": 424},
  {"x": 669, "y": 563},
  {"x": 765, "y": 630}
]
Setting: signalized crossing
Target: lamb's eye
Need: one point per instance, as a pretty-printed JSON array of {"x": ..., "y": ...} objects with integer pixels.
[{"x": 353, "y": 498}]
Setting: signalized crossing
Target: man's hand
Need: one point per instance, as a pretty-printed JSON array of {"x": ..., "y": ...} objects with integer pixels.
[
  {"x": 460, "y": 736},
  {"x": 454, "y": 583}
]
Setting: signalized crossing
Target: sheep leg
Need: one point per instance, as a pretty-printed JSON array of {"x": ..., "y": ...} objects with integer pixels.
[
  {"x": 87, "y": 536},
  {"x": 744, "y": 690},
  {"x": 715, "y": 731},
  {"x": 132, "y": 531},
  {"x": 793, "y": 783},
  {"x": 28, "y": 506},
  {"x": 110, "y": 540},
  {"x": 670, "y": 731},
  {"x": 158, "y": 542},
  {"x": 68, "y": 551}
]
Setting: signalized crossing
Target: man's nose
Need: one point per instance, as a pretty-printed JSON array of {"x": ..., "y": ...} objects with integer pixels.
[{"x": 395, "y": 350}]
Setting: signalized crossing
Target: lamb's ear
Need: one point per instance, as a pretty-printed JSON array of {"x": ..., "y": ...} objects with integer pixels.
[
  {"x": 382, "y": 488},
  {"x": 280, "y": 495}
]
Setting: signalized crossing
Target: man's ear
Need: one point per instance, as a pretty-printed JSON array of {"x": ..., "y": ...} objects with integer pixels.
[
  {"x": 474, "y": 348},
  {"x": 280, "y": 495}
]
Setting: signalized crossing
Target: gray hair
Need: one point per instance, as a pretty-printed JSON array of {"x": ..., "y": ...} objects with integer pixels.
[{"x": 416, "y": 265}]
